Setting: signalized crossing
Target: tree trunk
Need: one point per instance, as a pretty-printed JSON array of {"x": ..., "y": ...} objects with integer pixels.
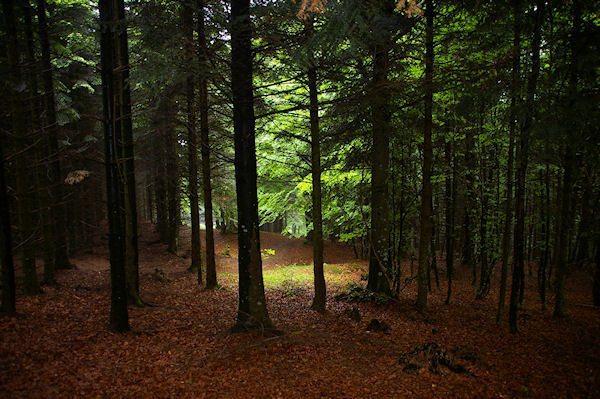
[
  {"x": 320, "y": 288},
  {"x": 172, "y": 183},
  {"x": 522, "y": 155},
  {"x": 119, "y": 319},
  {"x": 8, "y": 269},
  {"x": 124, "y": 128},
  {"x": 450, "y": 218},
  {"x": 596, "y": 289},
  {"x": 25, "y": 185},
  {"x": 426, "y": 222},
  {"x": 508, "y": 214},
  {"x": 211, "y": 271},
  {"x": 196, "y": 244},
  {"x": 379, "y": 258},
  {"x": 252, "y": 311},
  {"x": 61, "y": 257},
  {"x": 562, "y": 266}
]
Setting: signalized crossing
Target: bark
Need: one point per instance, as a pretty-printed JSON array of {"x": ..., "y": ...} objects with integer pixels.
[
  {"x": 486, "y": 272},
  {"x": 25, "y": 185},
  {"x": 545, "y": 216},
  {"x": 379, "y": 258},
  {"x": 8, "y": 269},
  {"x": 160, "y": 186},
  {"x": 211, "y": 271},
  {"x": 54, "y": 174},
  {"x": 252, "y": 310},
  {"x": 562, "y": 266},
  {"x": 192, "y": 147},
  {"x": 522, "y": 155},
  {"x": 172, "y": 183},
  {"x": 596, "y": 289},
  {"x": 119, "y": 319},
  {"x": 123, "y": 127},
  {"x": 320, "y": 289},
  {"x": 426, "y": 222},
  {"x": 450, "y": 218},
  {"x": 508, "y": 204}
]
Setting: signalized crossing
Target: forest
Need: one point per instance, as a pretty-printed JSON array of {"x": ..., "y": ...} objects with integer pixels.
[{"x": 300, "y": 198}]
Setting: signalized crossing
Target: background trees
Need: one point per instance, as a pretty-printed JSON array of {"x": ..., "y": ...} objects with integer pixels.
[{"x": 352, "y": 116}]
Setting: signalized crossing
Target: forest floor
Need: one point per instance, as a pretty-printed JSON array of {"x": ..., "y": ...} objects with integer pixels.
[{"x": 58, "y": 345}]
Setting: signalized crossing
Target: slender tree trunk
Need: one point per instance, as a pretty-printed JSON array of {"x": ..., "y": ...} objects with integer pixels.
[
  {"x": 252, "y": 311},
  {"x": 160, "y": 185},
  {"x": 426, "y": 222},
  {"x": 173, "y": 205},
  {"x": 522, "y": 157},
  {"x": 508, "y": 213},
  {"x": 196, "y": 244},
  {"x": 320, "y": 289},
  {"x": 24, "y": 183},
  {"x": 54, "y": 175},
  {"x": 119, "y": 319},
  {"x": 562, "y": 266},
  {"x": 211, "y": 270},
  {"x": 8, "y": 270},
  {"x": 450, "y": 211},
  {"x": 545, "y": 216},
  {"x": 124, "y": 128},
  {"x": 485, "y": 275},
  {"x": 596, "y": 289}
]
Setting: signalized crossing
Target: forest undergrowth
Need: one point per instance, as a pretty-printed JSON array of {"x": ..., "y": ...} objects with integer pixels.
[{"x": 58, "y": 344}]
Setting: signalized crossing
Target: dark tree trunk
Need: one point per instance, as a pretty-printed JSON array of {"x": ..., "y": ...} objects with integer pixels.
[
  {"x": 320, "y": 288},
  {"x": 252, "y": 311},
  {"x": 596, "y": 290},
  {"x": 119, "y": 319},
  {"x": 25, "y": 184},
  {"x": 379, "y": 259},
  {"x": 545, "y": 217},
  {"x": 522, "y": 155},
  {"x": 450, "y": 218},
  {"x": 124, "y": 128},
  {"x": 196, "y": 244},
  {"x": 160, "y": 186},
  {"x": 54, "y": 175},
  {"x": 172, "y": 183},
  {"x": 211, "y": 271},
  {"x": 486, "y": 269},
  {"x": 569, "y": 177},
  {"x": 426, "y": 222},
  {"x": 8, "y": 270}
]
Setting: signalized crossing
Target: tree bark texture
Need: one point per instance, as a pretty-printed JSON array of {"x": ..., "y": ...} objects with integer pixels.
[
  {"x": 211, "y": 270},
  {"x": 426, "y": 200},
  {"x": 252, "y": 310},
  {"x": 119, "y": 319},
  {"x": 522, "y": 157}
]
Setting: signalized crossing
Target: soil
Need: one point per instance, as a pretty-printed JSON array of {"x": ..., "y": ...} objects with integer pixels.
[{"x": 58, "y": 345}]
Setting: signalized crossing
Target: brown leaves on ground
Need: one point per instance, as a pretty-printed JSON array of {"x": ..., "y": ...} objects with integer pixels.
[{"x": 59, "y": 344}]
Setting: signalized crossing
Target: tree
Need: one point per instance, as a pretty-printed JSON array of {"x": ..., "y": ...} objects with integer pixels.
[
  {"x": 109, "y": 42},
  {"x": 19, "y": 89},
  {"x": 426, "y": 222},
  {"x": 522, "y": 159},
  {"x": 508, "y": 215},
  {"x": 8, "y": 269},
  {"x": 211, "y": 273},
  {"x": 252, "y": 310},
  {"x": 188, "y": 17},
  {"x": 379, "y": 259},
  {"x": 570, "y": 173},
  {"x": 315, "y": 146},
  {"x": 57, "y": 213}
]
